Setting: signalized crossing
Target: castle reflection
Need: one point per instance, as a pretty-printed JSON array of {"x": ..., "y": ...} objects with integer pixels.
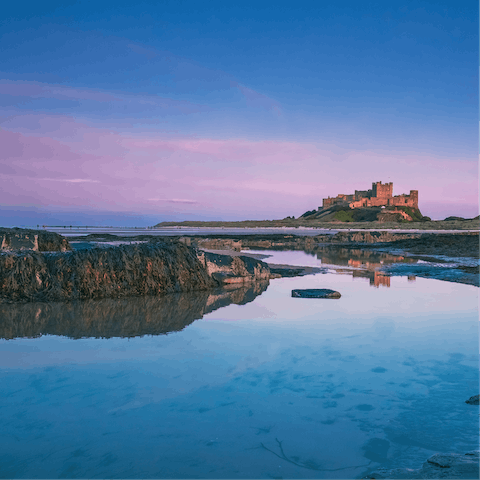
[
  {"x": 377, "y": 279},
  {"x": 366, "y": 263}
]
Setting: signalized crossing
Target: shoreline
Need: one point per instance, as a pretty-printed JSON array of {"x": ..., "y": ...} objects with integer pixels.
[
  {"x": 146, "y": 264},
  {"x": 444, "y": 256},
  {"x": 206, "y": 230}
]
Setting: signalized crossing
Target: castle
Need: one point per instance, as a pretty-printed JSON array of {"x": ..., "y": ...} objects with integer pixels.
[{"x": 380, "y": 195}]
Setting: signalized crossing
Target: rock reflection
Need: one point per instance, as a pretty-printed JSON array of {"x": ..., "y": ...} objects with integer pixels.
[{"x": 128, "y": 317}]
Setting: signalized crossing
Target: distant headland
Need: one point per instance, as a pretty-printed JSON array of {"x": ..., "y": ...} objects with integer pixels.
[{"x": 364, "y": 209}]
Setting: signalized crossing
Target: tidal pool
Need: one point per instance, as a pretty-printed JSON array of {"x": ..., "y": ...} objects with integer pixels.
[{"x": 277, "y": 387}]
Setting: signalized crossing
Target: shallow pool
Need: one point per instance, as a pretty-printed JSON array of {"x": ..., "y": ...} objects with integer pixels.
[{"x": 279, "y": 387}]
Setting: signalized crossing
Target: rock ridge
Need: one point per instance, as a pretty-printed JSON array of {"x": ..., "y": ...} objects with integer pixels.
[{"x": 120, "y": 271}]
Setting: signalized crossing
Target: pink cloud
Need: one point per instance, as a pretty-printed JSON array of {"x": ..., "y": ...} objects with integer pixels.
[
  {"x": 63, "y": 162},
  {"x": 174, "y": 200}
]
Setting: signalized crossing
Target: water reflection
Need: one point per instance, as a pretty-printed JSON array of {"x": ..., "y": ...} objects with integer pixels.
[
  {"x": 344, "y": 261},
  {"x": 366, "y": 263},
  {"x": 377, "y": 279},
  {"x": 278, "y": 387},
  {"x": 358, "y": 258},
  {"x": 129, "y": 317}
]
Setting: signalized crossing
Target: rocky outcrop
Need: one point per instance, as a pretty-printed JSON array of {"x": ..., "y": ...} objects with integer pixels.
[
  {"x": 393, "y": 217},
  {"x": 365, "y": 237},
  {"x": 453, "y": 245},
  {"x": 440, "y": 465},
  {"x": 293, "y": 242},
  {"x": 130, "y": 317},
  {"x": 130, "y": 270},
  {"x": 121, "y": 271},
  {"x": 219, "y": 243},
  {"x": 19, "y": 239},
  {"x": 227, "y": 269}
]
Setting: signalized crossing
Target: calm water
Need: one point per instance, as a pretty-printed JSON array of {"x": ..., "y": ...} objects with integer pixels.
[{"x": 275, "y": 387}]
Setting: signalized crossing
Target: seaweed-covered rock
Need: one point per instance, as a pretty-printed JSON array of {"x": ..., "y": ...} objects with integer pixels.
[
  {"x": 120, "y": 271},
  {"x": 228, "y": 269},
  {"x": 128, "y": 270},
  {"x": 20, "y": 239}
]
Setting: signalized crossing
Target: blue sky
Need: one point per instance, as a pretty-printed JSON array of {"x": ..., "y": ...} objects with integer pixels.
[{"x": 140, "y": 112}]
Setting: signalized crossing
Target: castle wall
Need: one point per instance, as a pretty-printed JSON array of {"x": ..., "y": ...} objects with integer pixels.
[
  {"x": 341, "y": 198},
  {"x": 359, "y": 194},
  {"x": 370, "y": 202},
  {"x": 406, "y": 200},
  {"x": 328, "y": 202},
  {"x": 362, "y": 202}
]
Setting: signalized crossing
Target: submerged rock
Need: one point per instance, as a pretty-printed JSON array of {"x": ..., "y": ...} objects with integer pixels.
[
  {"x": 315, "y": 293},
  {"x": 473, "y": 400},
  {"x": 440, "y": 465},
  {"x": 278, "y": 271}
]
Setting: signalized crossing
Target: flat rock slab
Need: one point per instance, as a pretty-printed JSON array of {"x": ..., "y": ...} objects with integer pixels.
[
  {"x": 294, "y": 271},
  {"x": 315, "y": 293}
]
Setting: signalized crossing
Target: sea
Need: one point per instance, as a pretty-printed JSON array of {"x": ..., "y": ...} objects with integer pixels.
[{"x": 255, "y": 384}]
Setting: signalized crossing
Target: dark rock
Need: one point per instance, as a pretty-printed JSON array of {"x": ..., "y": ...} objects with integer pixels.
[
  {"x": 277, "y": 270},
  {"x": 315, "y": 293},
  {"x": 287, "y": 271},
  {"x": 473, "y": 400},
  {"x": 226, "y": 269},
  {"x": 21, "y": 239},
  {"x": 440, "y": 465},
  {"x": 115, "y": 272}
]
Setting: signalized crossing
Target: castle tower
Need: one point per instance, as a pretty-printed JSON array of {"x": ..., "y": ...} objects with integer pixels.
[
  {"x": 380, "y": 190},
  {"x": 414, "y": 198}
]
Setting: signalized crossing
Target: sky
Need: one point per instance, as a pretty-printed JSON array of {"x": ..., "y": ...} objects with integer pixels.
[{"x": 133, "y": 113}]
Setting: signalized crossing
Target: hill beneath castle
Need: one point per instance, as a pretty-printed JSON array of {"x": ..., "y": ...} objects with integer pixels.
[{"x": 344, "y": 213}]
